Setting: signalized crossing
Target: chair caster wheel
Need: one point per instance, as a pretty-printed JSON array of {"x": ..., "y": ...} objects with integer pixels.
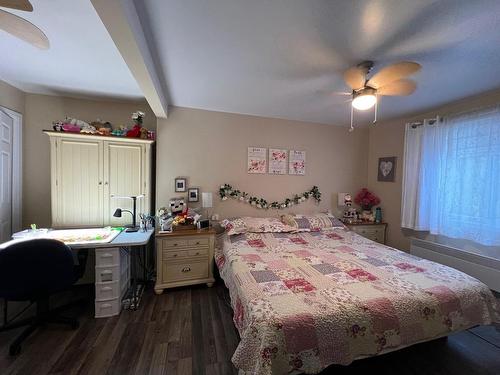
[
  {"x": 75, "y": 325},
  {"x": 14, "y": 350}
]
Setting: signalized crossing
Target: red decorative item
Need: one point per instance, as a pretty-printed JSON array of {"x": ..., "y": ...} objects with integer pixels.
[
  {"x": 366, "y": 199},
  {"x": 135, "y": 132}
]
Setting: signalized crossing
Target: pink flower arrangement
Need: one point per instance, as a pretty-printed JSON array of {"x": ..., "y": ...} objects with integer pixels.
[{"x": 366, "y": 199}]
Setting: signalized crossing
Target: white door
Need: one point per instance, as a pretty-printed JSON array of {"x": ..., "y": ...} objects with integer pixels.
[
  {"x": 123, "y": 173},
  {"x": 79, "y": 183},
  {"x": 6, "y": 131}
]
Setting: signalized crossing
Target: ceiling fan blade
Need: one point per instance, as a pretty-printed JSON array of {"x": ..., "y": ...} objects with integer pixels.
[
  {"x": 17, "y": 4},
  {"x": 22, "y": 29},
  {"x": 393, "y": 72},
  {"x": 355, "y": 77},
  {"x": 401, "y": 87}
]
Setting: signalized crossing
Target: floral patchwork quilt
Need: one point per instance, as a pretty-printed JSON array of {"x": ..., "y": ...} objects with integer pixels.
[{"x": 303, "y": 301}]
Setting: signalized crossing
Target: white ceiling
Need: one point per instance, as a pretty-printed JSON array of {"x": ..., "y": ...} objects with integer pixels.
[
  {"x": 283, "y": 58},
  {"x": 274, "y": 58},
  {"x": 82, "y": 59}
]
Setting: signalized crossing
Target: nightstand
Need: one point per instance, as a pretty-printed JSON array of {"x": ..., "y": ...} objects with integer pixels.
[
  {"x": 373, "y": 231},
  {"x": 184, "y": 257}
]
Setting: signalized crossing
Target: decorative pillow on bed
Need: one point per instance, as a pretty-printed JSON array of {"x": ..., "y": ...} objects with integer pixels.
[
  {"x": 256, "y": 225},
  {"x": 267, "y": 225},
  {"x": 307, "y": 223},
  {"x": 234, "y": 226}
]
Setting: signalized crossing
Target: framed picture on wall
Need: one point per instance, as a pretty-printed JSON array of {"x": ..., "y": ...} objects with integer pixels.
[
  {"x": 180, "y": 185},
  {"x": 386, "y": 169},
  {"x": 193, "y": 195}
]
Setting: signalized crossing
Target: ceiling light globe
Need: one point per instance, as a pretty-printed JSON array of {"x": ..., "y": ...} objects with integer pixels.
[{"x": 364, "y": 101}]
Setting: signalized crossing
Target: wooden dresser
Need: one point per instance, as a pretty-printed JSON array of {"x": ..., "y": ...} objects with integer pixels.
[
  {"x": 185, "y": 257},
  {"x": 373, "y": 231}
]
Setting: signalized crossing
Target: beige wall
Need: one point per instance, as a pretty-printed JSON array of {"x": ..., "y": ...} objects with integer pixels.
[
  {"x": 387, "y": 139},
  {"x": 41, "y": 111},
  {"x": 210, "y": 149},
  {"x": 11, "y": 97}
]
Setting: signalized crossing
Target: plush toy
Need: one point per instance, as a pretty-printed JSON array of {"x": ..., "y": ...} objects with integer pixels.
[
  {"x": 350, "y": 213},
  {"x": 74, "y": 121},
  {"x": 144, "y": 133},
  {"x": 135, "y": 132}
]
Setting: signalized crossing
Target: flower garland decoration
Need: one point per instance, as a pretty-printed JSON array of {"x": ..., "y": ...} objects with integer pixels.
[{"x": 226, "y": 191}]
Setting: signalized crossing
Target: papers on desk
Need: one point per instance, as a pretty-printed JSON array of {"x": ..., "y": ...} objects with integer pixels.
[{"x": 73, "y": 236}]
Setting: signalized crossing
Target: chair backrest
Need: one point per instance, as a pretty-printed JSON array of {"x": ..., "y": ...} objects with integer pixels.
[{"x": 35, "y": 268}]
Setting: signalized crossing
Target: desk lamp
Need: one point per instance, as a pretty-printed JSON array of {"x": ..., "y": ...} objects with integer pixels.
[{"x": 118, "y": 211}]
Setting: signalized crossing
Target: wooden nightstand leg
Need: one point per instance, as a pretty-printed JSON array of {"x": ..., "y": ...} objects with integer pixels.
[
  {"x": 210, "y": 285},
  {"x": 158, "y": 291}
]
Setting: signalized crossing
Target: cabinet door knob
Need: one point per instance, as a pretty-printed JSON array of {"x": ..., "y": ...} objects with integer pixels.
[
  {"x": 100, "y": 182},
  {"x": 106, "y": 183},
  {"x": 186, "y": 269},
  {"x": 197, "y": 242}
]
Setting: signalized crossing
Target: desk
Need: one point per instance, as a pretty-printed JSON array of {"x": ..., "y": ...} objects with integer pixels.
[{"x": 115, "y": 267}]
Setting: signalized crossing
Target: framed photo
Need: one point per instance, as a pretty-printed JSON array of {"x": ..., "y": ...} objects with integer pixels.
[
  {"x": 180, "y": 185},
  {"x": 386, "y": 169},
  {"x": 193, "y": 195}
]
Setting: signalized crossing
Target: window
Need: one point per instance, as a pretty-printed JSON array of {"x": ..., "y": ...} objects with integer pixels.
[{"x": 452, "y": 177}]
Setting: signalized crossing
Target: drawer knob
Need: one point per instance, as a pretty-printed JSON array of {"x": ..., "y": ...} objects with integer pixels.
[
  {"x": 186, "y": 269},
  {"x": 197, "y": 253},
  {"x": 175, "y": 255},
  {"x": 197, "y": 242},
  {"x": 175, "y": 244}
]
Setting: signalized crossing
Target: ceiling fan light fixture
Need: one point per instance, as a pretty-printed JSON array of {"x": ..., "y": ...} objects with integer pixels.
[{"x": 364, "y": 99}]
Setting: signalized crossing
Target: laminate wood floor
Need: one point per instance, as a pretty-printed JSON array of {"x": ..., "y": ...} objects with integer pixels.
[{"x": 190, "y": 331}]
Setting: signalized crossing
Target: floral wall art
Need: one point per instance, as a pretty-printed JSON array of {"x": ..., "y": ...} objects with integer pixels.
[
  {"x": 256, "y": 161},
  {"x": 297, "y": 163},
  {"x": 277, "y": 161}
]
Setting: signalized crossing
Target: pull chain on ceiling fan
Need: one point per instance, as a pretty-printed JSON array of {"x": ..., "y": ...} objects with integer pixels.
[
  {"x": 19, "y": 27},
  {"x": 389, "y": 81}
]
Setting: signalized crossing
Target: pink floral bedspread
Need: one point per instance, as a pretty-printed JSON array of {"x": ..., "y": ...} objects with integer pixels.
[{"x": 304, "y": 301}]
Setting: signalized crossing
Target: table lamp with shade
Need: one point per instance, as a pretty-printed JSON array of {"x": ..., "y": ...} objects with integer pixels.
[
  {"x": 118, "y": 212},
  {"x": 206, "y": 202}
]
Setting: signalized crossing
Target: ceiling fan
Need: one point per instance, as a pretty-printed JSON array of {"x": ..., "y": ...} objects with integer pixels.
[
  {"x": 19, "y": 27},
  {"x": 389, "y": 81}
]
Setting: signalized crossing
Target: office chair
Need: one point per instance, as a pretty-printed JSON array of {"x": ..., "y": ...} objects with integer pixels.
[{"x": 32, "y": 271}]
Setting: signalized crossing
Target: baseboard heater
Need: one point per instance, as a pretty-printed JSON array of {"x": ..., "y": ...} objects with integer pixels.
[{"x": 481, "y": 267}]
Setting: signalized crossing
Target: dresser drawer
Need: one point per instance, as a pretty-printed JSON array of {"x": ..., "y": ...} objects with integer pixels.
[
  {"x": 104, "y": 309},
  {"x": 107, "y": 257},
  {"x": 179, "y": 271},
  {"x": 106, "y": 291},
  {"x": 170, "y": 244},
  {"x": 107, "y": 274},
  {"x": 173, "y": 254},
  {"x": 198, "y": 242},
  {"x": 198, "y": 252}
]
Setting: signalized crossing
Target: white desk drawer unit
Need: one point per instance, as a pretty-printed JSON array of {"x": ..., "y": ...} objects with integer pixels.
[{"x": 112, "y": 277}]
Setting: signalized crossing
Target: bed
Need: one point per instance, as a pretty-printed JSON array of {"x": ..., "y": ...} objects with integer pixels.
[{"x": 304, "y": 301}]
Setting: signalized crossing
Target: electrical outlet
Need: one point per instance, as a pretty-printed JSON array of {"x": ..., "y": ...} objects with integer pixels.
[{"x": 215, "y": 217}]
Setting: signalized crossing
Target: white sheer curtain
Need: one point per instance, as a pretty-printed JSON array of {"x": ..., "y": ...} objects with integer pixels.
[{"x": 457, "y": 190}]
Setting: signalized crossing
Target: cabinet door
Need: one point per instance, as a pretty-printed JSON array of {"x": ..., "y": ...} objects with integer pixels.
[
  {"x": 78, "y": 183},
  {"x": 124, "y": 176}
]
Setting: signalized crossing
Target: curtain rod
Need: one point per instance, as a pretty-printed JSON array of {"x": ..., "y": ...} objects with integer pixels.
[{"x": 430, "y": 121}]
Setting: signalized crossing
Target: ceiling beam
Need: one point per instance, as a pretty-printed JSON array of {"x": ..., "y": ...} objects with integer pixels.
[{"x": 123, "y": 24}]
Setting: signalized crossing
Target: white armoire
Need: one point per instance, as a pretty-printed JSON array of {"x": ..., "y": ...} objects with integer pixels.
[{"x": 87, "y": 171}]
